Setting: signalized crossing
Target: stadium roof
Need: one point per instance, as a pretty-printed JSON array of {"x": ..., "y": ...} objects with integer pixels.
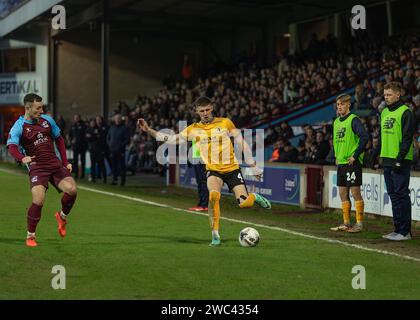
[
  {"x": 16, "y": 13},
  {"x": 8, "y": 6},
  {"x": 238, "y": 10},
  {"x": 195, "y": 15}
]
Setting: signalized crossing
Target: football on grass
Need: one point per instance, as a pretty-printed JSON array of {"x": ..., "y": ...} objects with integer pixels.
[{"x": 249, "y": 237}]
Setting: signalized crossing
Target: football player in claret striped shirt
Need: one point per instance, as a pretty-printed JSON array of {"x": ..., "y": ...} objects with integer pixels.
[
  {"x": 349, "y": 140},
  {"x": 31, "y": 141}
]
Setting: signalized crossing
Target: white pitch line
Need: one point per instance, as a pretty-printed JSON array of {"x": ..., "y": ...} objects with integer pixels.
[{"x": 300, "y": 234}]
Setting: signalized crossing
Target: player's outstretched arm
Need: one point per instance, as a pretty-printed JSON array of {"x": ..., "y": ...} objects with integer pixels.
[
  {"x": 246, "y": 149},
  {"x": 159, "y": 136},
  {"x": 249, "y": 159}
]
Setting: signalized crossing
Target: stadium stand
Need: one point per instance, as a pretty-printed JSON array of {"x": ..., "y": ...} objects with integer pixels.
[{"x": 252, "y": 95}]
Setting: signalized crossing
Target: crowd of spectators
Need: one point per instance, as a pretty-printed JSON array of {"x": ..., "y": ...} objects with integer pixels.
[
  {"x": 250, "y": 94},
  {"x": 315, "y": 147},
  {"x": 112, "y": 149}
]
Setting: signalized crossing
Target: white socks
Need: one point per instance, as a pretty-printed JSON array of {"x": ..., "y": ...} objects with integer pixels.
[
  {"x": 215, "y": 234},
  {"x": 30, "y": 235},
  {"x": 63, "y": 215}
]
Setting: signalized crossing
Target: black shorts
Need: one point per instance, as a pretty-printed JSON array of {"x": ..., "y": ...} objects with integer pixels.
[
  {"x": 349, "y": 175},
  {"x": 232, "y": 179}
]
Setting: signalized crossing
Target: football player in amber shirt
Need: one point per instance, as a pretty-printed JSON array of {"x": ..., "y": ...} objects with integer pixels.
[{"x": 212, "y": 135}]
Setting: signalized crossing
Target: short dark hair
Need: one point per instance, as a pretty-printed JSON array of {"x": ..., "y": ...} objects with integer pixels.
[
  {"x": 202, "y": 102},
  {"x": 31, "y": 97},
  {"x": 394, "y": 86}
]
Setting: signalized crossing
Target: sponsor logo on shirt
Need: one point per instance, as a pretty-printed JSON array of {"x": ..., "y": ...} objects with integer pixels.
[
  {"x": 389, "y": 123},
  {"x": 40, "y": 139},
  {"x": 341, "y": 133}
]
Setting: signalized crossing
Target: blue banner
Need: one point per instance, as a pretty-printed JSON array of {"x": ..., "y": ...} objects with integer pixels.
[{"x": 280, "y": 184}]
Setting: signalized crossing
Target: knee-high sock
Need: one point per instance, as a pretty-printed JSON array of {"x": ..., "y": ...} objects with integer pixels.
[
  {"x": 247, "y": 202},
  {"x": 214, "y": 210},
  {"x": 34, "y": 215},
  {"x": 360, "y": 208},
  {"x": 67, "y": 202},
  {"x": 346, "y": 205}
]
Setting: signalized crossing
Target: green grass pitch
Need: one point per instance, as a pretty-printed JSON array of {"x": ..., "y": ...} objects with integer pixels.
[{"x": 121, "y": 249}]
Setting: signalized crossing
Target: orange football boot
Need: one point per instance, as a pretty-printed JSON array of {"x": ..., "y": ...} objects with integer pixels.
[
  {"x": 61, "y": 225},
  {"x": 31, "y": 242}
]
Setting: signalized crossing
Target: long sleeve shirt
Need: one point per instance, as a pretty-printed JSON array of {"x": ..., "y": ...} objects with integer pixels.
[{"x": 407, "y": 125}]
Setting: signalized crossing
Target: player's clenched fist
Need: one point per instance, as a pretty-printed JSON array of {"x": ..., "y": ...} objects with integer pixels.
[
  {"x": 27, "y": 159},
  {"x": 142, "y": 124},
  {"x": 69, "y": 167}
]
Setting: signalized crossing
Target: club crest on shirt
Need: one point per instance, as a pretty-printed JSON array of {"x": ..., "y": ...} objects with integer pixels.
[
  {"x": 34, "y": 179},
  {"x": 45, "y": 124},
  {"x": 28, "y": 129}
]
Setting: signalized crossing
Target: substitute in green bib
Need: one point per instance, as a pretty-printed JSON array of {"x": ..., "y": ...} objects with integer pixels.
[
  {"x": 350, "y": 139},
  {"x": 201, "y": 179},
  {"x": 396, "y": 152}
]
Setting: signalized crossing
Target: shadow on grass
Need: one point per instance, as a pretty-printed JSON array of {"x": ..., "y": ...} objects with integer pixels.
[
  {"x": 12, "y": 240},
  {"x": 154, "y": 239},
  {"x": 21, "y": 241},
  {"x": 141, "y": 239}
]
